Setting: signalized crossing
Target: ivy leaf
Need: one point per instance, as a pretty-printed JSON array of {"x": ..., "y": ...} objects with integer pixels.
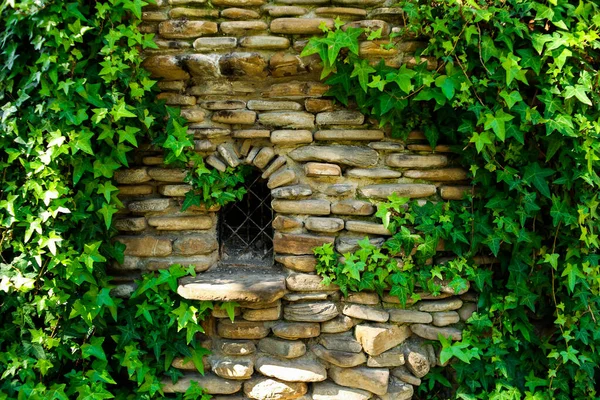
[
  {"x": 94, "y": 348},
  {"x": 578, "y": 91},
  {"x": 403, "y": 78},
  {"x": 511, "y": 98},
  {"x": 362, "y": 70},
  {"x": 562, "y": 123},
  {"x": 119, "y": 111},
  {"x": 534, "y": 174},
  {"x": 229, "y": 307},
  {"x": 481, "y": 139},
  {"x": 572, "y": 272},
  {"x": 496, "y": 122},
  {"x": 106, "y": 189},
  {"x": 107, "y": 211}
]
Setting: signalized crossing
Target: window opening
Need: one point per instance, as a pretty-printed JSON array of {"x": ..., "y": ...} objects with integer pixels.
[{"x": 245, "y": 227}]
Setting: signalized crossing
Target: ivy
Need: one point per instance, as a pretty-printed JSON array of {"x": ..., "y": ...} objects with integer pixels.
[
  {"x": 74, "y": 104},
  {"x": 513, "y": 85}
]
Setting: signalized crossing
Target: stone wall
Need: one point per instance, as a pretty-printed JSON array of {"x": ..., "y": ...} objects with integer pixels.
[{"x": 234, "y": 68}]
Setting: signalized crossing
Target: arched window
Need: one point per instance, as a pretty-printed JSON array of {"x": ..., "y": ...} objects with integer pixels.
[{"x": 245, "y": 227}]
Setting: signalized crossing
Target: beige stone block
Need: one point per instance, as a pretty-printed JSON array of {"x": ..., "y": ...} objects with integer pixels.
[
  {"x": 368, "y": 298},
  {"x": 377, "y": 48},
  {"x": 197, "y": 244},
  {"x": 307, "y": 283},
  {"x": 241, "y": 117},
  {"x": 374, "y": 380},
  {"x": 441, "y": 175},
  {"x": 251, "y": 134},
  {"x": 409, "y": 316},
  {"x": 339, "y": 358},
  {"x": 282, "y": 348},
  {"x": 176, "y": 99},
  {"x": 287, "y": 119},
  {"x": 296, "y": 330},
  {"x": 239, "y": 13},
  {"x": 445, "y": 318},
  {"x": 282, "y": 223},
  {"x": 188, "y": 222},
  {"x": 401, "y": 160},
  {"x": 261, "y": 388},
  {"x": 285, "y": 11},
  {"x": 337, "y": 11},
  {"x": 318, "y": 105},
  {"x": 440, "y": 305},
  {"x": 352, "y": 207},
  {"x": 263, "y": 157},
  {"x": 322, "y": 169},
  {"x": 238, "y": 3},
  {"x": 182, "y": 29},
  {"x": 145, "y": 246},
  {"x": 238, "y": 28},
  {"x": 343, "y": 117},
  {"x": 291, "y": 137},
  {"x": 137, "y": 190},
  {"x": 411, "y": 190},
  {"x": 174, "y": 190},
  {"x": 339, "y": 324},
  {"x": 430, "y": 332},
  {"x": 132, "y": 176},
  {"x": 131, "y": 224},
  {"x": 365, "y": 312},
  {"x": 373, "y": 173},
  {"x": 279, "y": 162},
  {"x": 217, "y": 105},
  {"x": 211, "y": 383},
  {"x": 319, "y": 311},
  {"x": 330, "y": 391},
  {"x": 167, "y": 174},
  {"x": 165, "y": 67},
  {"x": 243, "y": 64},
  {"x": 302, "y": 369},
  {"x": 241, "y": 329},
  {"x": 371, "y": 228},
  {"x": 377, "y": 338},
  {"x": 356, "y": 156},
  {"x": 264, "y": 314},
  {"x": 270, "y": 105},
  {"x": 455, "y": 192},
  {"x": 298, "y": 263},
  {"x": 190, "y": 13},
  {"x": 265, "y": 42},
  {"x": 300, "y": 26},
  {"x": 327, "y": 225},
  {"x": 282, "y": 177}
]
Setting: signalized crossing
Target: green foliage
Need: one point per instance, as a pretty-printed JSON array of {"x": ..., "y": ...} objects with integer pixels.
[
  {"x": 515, "y": 89},
  {"x": 74, "y": 103}
]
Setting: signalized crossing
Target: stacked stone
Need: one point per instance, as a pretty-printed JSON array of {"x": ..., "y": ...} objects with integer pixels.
[{"x": 234, "y": 68}]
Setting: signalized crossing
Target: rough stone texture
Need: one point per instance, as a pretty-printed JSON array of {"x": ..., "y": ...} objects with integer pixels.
[
  {"x": 377, "y": 338},
  {"x": 211, "y": 383},
  {"x": 373, "y": 173},
  {"x": 341, "y": 342},
  {"x": 302, "y": 369},
  {"x": 260, "y": 388},
  {"x": 327, "y": 225},
  {"x": 431, "y": 332},
  {"x": 263, "y": 314},
  {"x": 348, "y": 155},
  {"x": 352, "y": 207},
  {"x": 374, "y": 380},
  {"x": 287, "y": 119},
  {"x": 304, "y": 26},
  {"x": 314, "y": 169},
  {"x": 217, "y": 286},
  {"x": 296, "y": 330},
  {"x": 440, "y": 175},
  {"x": 364, "y": 312},
  {"x": 398, "y": 390},
  {"x": 440, "y": 305},
  {"x": 281, "y": 178},
  {"x": 235, "y": 348},
  {"x": 311, "y": 207},
  {"x": 145, "y": 246},
  {"x": 390, "y": 358},
  {"x": 298, "y": 263},
  {"x": 298, "y": 244},
  {"x": 310, "y": 312},
  {"x": 341, "y": 323},
  {"x": 181, "y": 223},
  {"x": 339, "y": 358},
  {"x": 445, "y": 318},
  {"x": 412, "y": 190},
  {"x": 291, "y": 137},
  {"x": 410, "y": 317},
  {"x": 232, "y": 367},
  {"x": 371, "y": 228},
  {"x": 331, "y": 391},
  {"x": 363, "y": 298},
  {"x": 416, "y": 161},
  {"x": 242, "y": 329},
  {"x": 282, "y": 348},
  {"x": 307, "y": 283}
]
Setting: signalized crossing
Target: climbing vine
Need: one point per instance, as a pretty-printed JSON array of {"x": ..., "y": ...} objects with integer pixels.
[
  {"x": 514, "y": 86},
  {"x": 74, "y": 103}
]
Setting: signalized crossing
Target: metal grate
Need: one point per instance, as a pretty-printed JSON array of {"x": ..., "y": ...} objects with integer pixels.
[{"x": 245, "y": 227}]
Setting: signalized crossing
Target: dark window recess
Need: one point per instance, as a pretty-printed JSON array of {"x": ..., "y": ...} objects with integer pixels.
[{"x": 245, "y": 227}]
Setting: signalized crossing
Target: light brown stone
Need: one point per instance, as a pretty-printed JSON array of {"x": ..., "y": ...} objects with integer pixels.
[
  {"x": 132, "y": 176},
  {"x": 251, "y": 134},
  {"x": 261, "y": 388},
  {"x": 238, "y": 28},
  {"x": 131, "y": 224},
  {"x": 241, "y": 329},
  {"x": 445, "y": 318},
  {"x": 440, "y": 305},
  {"x": 300, "y": 26},
  {"x": 265, "y": 42},
  {"x": 377, "y": 48},
  {"x": 270, "y": 105},
  {"x": 284, "y": 11},
  {"x": 239, "y": 13},
  {"x": 263, "y": 157},
  {"x": 306, "y": 296},
  {"x": 455, "y": 192},
  {"x": 176, "y": 99},
  {"x": 339, "y": 324},
  {"x": 185, "y": 12},
  {"x": 398, "y": 390},
  {"x": 195, "y": 244},
  {"x": 337, "y": 11},
  {"x": 322, "y": 169},
  {"x": 238, "y": 3},
  {"x": 296, "y": 330},
  {"x": 282, "y": 223},
  {"x": 307, "y": 283},
  {"x": 352, "y": 207},
  {"x": 318, "y": 105},
  {"x": 282, "y": 348},
  {"x": 145, "y": 246},
  {"x": 241, "y": 117},
  {"x": 200, "y": 263},
  {"x": 287, "y": 119},
  {"x": 365, "y": 312},
  {"x": 265, "y": 314},
  {"x": 327, "y": 225},
  {"x": 310, "y": 207},
  {"x": 137, "y": 190},
  {"x": 441, "y": 175},
  {"x": 165, "y": 67},
  {"x": 298, "y": 244},
  {"x": 374, "y": 380},
  {"x": 174, "y": 190},
  {"x": 377, "y": 338},
  {"x": 182, "y": 29},
  {"x": 192, "y": 114},
  {"x": 217, "y": 105},
  {"x": 467, "y": 310},
  {"x": 370, "y": 228},
  {"x": 243, "y": 64},
  {"x": 405, "y": 375},
  {"x": 291, "y": 192},
  {"x": 401, "y": 160},
  {"x": 339, "y": 358},
  {"x": 211, "y": 384},
  {"x": 302, "y": 369},
  {"x": 282, "y": 177},
  {"x": 431, "y": 332},
  {"x": 298, "y": 263},
  {"x": 373, "y": 173},
  {"x": 340, "y": 342},
  {"x": 343, "y": 117},
  {"x": 188, "y": 222},
  {"x": 368, "y": 298},
  {"x": 216, "y": 163},
  {"x": 239, "y": 368},
  {"x": 310, "y": 312},
  {"x": 291, "y": 137},
  {"x": 411, "y": 190},
  {"x": 347, "y": 155},
  {"x": 410, "y": 317},
  {"x": 416, "y": 361},
  {"x": 390, "y": 358},
  {"x": 279, "y": 162}
]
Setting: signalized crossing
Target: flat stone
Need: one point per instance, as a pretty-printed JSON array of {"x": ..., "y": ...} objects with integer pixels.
[
  {"x": 438, "y": 175},
  {"x": 279, "y": 162},
  {"x": 242, "y": 286},
  {"x": 238, "y": 28},
  {"x": 302, "y": 369},
  {"x": 417, "y": 361},
  {"x": 431, "y": 332},
  {"x": 373, "y": 173},
  {"x": 398, "y": 390},
  {"x": 390, "y": 358},
  {"x": 340, "y": 189},
  {"x": 352, "y": 207},
  {"x": 370, "y": 228},
  {"x": 290, "y": 192},
  {"x": 200, "y": 263},
  {"x": 145, "y": 246},
  {"x": 281, "y": 178},
  {"x": 387, "y": 146},
  {"x": 243, "y": 65},
  {"x": 176, "y": 99},
  {"x": 238, "y": 3},
  {"x": 341, "y": 342},
  {"x": 271, "y": 105},
  {"x": 343, "y": 117},
  {"x": 455, "y": 192},
  {"x": 241, "y": 329},
  {"x": 201, "y": 65},
  {"x": 131, "y": 224},
  {"x": 445, "y": 318},
  {"x": 409, "y": 317},
  {"x": 298, "y": 263},
  {"x": 137, "y": 190},
  {"x": 282, "y": 222},
  {"x": 251, "y": 134},
  {"x": 466, "y": 311},
  {"x": 412, "y": 190},
  {"x": 309, "y": 207},
  {"x": 400, "y": 160},
  {"x": 265, "y": 42},
  {"x": 307, "y": 283},
  {"x": 322, "y": 169},
  {"x": 347, "y": 155},
  {"x": 216, "y": 163},
  {"x": 318, "y": 105},
  {"x": 282, "y": 348},
  {"x": 377, "y": 48},
  {"x": 310, "y": 312},
  {"x": 132, "y": 176},
  {"x": 284, "y": 11},
  {"x": 211, "y": 384},
  {"x": 242, "y": 117},
  {"x": 406, "y": 376},
  {"x": 232, "y": 367},
  {"x": 361, "y": 3},
  {"x": 165, "y": 67},
  {"x": 263, "y": 314},
  {"x": 339, "y": 358},
  {"x": 287, "y": 119},
  {"x": 365, "y": 312},
  {"x": 174, "y": 190},
  {"x": 188, "y": 13},
  {"x": 168, "y": 174},
  {"x": 306, "y": 296},
  {"x": 377, "y": 338},
  {"x": 363, "y": 298},
  {"x": 300, "y": 26},
  {"x": 440, "y": 305},
  {"x": 330, "y": 391},
  {"x": 188, "y": 222},
  {"x": 260, "y": 305},
  {"x": 298, "y": 244},
  {"x": 339, "y": 324},
  {"x": 374, "y": 380},
  {"x": 182, "y": 29},
  {"x": 263, "y": 157},
  {"x": 336, "y": 11},
  {"x": 296, "y": 330},
  {"x": 261, "y": 388},
  {"x": 327, "y": 225},
  {"x": 350, "y": 244},
  {"x": 370, "y": 25},
  {"x": 235, "y": 348},
  {"x": 239, "y": 13}
]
